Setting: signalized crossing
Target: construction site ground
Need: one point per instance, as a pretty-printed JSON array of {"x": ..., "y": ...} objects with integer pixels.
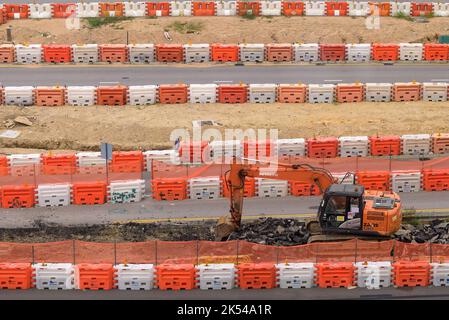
[
  {"x": 229, "y": 30},
  {"x": 149, "y": 127}
]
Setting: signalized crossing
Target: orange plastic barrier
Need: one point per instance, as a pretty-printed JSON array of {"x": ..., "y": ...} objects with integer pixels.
[
  {"x": 192, "y": 151},
  {"x": 111, "y": 95},
  {"x": 16, "y": 11},
  {"x": 256, "y": 275},
  {"x": 374, "y": 180},
  {"x": 411, "y": 273},
  {"x": 127, "y": 161},
  {"x": 17, "y": 196},
  {"x": 339, "y": 8},
  {"x": 422, "y": 9},
  {"x": 279, "y": 52},
  {"x": 113, "y": 53},
  {"x": 248, "y": 8},
  {"x": 440, "y": 143},
  {"x": 15, "y": 276},
  {"x": 380, "y": 8},
  {"x": 435, "y": 179},
  {"x": 225, "y": 52},
  {"x": 3, "y": 165},
  {"x": 89, "y": 193},
  {"x": 292, "y": 93},
  {"x": 169, "y": 52},
  {"x": 108, "y": 9},
  {"x": 385, "y": 145},
  {"x": 385, "y": 52},
  {"x": 232, "y": 93},
  {"x": 292, "y": 8},
  {"x": 63, "y": 10},
  {"x": 49, "y": 96},
  {"x": 95, "y": 276},
  {"x": 173, "y": 93},
  {"x": 406, "y": 92},
  {"x": 169, "y": 189},
  {"x": 298, "y": 188},
  {"x": 176, "y": 276},
  {"x": 57, "y": 53},
  {"x": 333, "y": 52},
  {"x": 58, "y": 164},
  {"x": 249, "y": 189},
  {"x": 350, "y": 93},
  {"x": 7, "y": 54},
  {"x": 322, "y": 147},
  {"x": 3, "y": 17},
  {"x": 160, "y": 9},
  {"x": 335, "y": 275},
  {"x": 436, "y": 51},
  {"x": 203, "y": 8},
  {"x": 259, "y": 149}
]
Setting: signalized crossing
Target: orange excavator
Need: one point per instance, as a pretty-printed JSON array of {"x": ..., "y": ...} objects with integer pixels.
[{"x": 345, "y": 211}]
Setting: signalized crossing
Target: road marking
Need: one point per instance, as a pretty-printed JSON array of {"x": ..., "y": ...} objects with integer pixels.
[
  {"x": 333, "y": 80},
  {"x": 439, "y": 80},
  {"x": 223, "y": 81}
]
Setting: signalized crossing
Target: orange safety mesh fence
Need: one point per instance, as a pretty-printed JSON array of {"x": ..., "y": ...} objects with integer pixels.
[
  {"x": 344, "y": 251},
  {"x": 256, "y": 253},
  {"x": 374, "y": 250},
  {"x": 412, "y": 251},
  {"x": 439, "y": 253},
  {"x": 293, "y": 254},
  {"x": 136, "y": 252},
  {"x": 94, "y": 252},
  {"x": 52, "y": 252},
  {"x": 218, "y": 252},
  {"x": 177, "y": 252},
  {"x": 16, "y": 252}
]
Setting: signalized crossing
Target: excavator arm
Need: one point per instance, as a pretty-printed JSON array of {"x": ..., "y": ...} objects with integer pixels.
[{"x": 235, "y": 182}]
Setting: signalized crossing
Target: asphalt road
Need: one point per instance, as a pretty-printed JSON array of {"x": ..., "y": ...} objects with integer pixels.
[
  {"x": 441, "y": 293},
  {"x": 289, "y": 73},
  {"x": 422, "y": 204}
]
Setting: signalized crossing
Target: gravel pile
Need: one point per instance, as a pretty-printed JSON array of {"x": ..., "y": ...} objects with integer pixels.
[{"x": 437, "y": 231}]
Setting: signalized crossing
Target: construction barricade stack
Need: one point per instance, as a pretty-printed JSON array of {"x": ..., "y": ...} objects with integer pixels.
[
  {"x": 292, "y": 8},
  {"x": 87, "y": 53},
  {"x": 374, "y": 274},
  {"x": 7, "y": 53},
  {"x": 380, "y": 8},
  {"x": 440, "y": 143},
  {"x": 378, "y": 92},
  {"x": 158, "y": 9},
  {"x": 203, "y": 8},
  {"x": 53, "y": 195},
  {"x": 271, "y": 188},
  {"x": 94, "y": 276},
  {"x": 321, "y": 93},
  {"x": 112, "y": 95},
  {"x": 279, "y": 52},
  {"x": 40, "y": 11},
  {"x": 126, "y": 191},
  {"x": 16, "y": 11},
  {"x": 63, "y": 10},
  {"x": 338, "y": 8},
  {"x": 296, "y": 275},
  {"x": 127, "y": 161},
  {"x": 55, "y": 53},
  {"x": 180, "y": 8},
  {"x": 225, "y": 52},
  {"x": 141, "y": 53},
  {"x": 374, "y": 180},
  {"x": 173, "y": 93},
  {"x": 439, "y": 275},
  {"x": 358, "y": 9},
  {"x": 307, "y": 52},
  {"x": 292, "y": 93},
  {"x": 23, "y": 164},
  {"x": 54, "y": 276},
  {"x": 169, "y": 52},
  {"x": 15, "y": 276},
  {"x": 19, "y": 96},
  {"x": 421, "y": 9},
  {"x": 400, "y": 8},
  {"x": 81, "y": 95},
  {"x": 406, "y": 181},
  {"x": 134, "y": 276},
  {"x": 410, "y": 51},
  {"x": 322, "y": 147},
  {"x": 270, "y": 7},
  {"x": 196, "y": 53},
  {"x": 111, "y": 9},
  {"x": 232, "y": 93},
  {"x": 353, "y": 146},
  {"x": 89, "y": 193},
  {"x": 203, "y": 93},
  {"x": 415, "y": 144},
  {"x": 87, "y": 9},
  {"x": 28, "y": 54},
  {"x": 315, "y": 8},
  {"x": 58, "y": 164},
  {"x": 360, "y": 52},
  {"x": 256, "y": 275},
  {"x": 216, "y": 276},
  {"x": 176, "y": 277},
  {"x": 332, "y": 52},
  {"x": 411, "y": 273},
  {"x": 335, "y": 274},
  {"x": 384, "y": 52},
  {"x": 245, "y": 8},
  {"x": 252, "y": 52},
  {"x": 49, "y": 96},
  {"x": 347, "y": 92},
  {"x": 226, "y": 8},
  {"x": 409, "y": 91},
  {"x": 262, "y": 93},
  {"x": 385, "y": 145},
  {"x": 434, "y": 91},
  {"x": 435, "y": 179},
  {"x": 169, "y": 189},
  {"x": 441, "y": 9},
  {"x": 17, "y": 196},
  {"x": 135, "y": 9},
  {"x": 249, "y": 188},
  {"x": 112, "y": 53},
  {"x": 142, "y": 95},
  {"x": 205, "y": 188}
]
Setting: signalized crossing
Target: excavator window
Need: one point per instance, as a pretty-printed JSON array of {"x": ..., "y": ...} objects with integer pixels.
[{"x": 342, "y": 212}]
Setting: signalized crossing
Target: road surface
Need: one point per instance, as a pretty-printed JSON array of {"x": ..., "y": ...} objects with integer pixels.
[
  {"x": 72, "y": 1},
  {"x": 422, "y": 204},
  {"x": 287, "y": 73}
]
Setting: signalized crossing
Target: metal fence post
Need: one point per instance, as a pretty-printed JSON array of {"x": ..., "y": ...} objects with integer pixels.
[
  {"x": 155, "y": 252},
  {"x": 197, "y": 252},
  {"x": 237, "y": 257},
  {"x": 32, "y": 254},
  {"x": 115, "y": 252},
  {"x": 73, "y": 252}
]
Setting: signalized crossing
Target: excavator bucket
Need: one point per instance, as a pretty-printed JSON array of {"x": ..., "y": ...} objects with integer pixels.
[{"x": 224, "y": 228}]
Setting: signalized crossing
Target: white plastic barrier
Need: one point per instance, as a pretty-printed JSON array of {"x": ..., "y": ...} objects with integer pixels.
[
  {"x": 252, "y": 52},
  {"x": 81, "y": 95},
  {"x": 378, "y": 92},
  {"x": 321, "y": 93},
  {"x": 204, "y": 188},
  {"x": 141, "y": 53},
  {"x": 168, "y": 156},
  {"x": 54, "y": 276},
  {"x": 203, "y": 93},
  {"x": 373, "y": 275},
  {"x": 360, "y": 52},
  {"x": 406, "y": 181},
  {"x": 291, "y": 147},
  {"x": 397, "y": 8},
  {"x": 87, "y": 53},
  {"x": 126, "y": 191},
  {"x": 358, "y": 9},
  {"x": 199, "y": 52},
  {"x": 40, "y": 10},
  {"x": 226, "y": 8},
  {"x": 216, "y": 276},
  {"x": 180, "y": 8},
  {"x": 88, "y": 159},
  {"x": 416, "y": 144},
  {"x": 295, "y": 275},
  {"x": 271, "y": 188},
  {"x": 53, "y": 195},
  {"x": 441, "y": 9},
  {"x": 87, "y": 9},
  {"x": 410, "y": 51},
  {"x": 135, "y": 9},
  {"x": 19, "y": 96},
  {"x": 142, "y": 95},
  {"x": 270, "y": 8},
  {"x": 307, "y": 52},
  {"x": 357, "y": 146},
  {"x": 223, "y": 151},
  {"x": 315, "y": 8},
  {"x": 28, "y": 54},
  {"x": 262, "y": 93},
  {"x": 135, "y": 276},
  {"x": 440, "y": 274},
  {"x": 434, "y": 91},
  {"x": 16, "y": 160}
]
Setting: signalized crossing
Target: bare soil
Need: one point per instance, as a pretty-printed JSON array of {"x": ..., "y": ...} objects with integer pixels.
[
  {"x": 130, "y": 127},
  {"x": 230, "y": 30}
]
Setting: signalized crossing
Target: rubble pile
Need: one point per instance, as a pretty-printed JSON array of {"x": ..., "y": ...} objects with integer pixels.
[{"x": 436, "y": 231}]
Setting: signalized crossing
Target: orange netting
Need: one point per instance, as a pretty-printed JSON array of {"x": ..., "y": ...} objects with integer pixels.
[{"x": 412, "y": 251}]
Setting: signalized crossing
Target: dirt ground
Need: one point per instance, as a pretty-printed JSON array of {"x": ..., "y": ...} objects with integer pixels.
[
  {"x": 130, "y": 127},
  {"x": 230, "y": 30}
]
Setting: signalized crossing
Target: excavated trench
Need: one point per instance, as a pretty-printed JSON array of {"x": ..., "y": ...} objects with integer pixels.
[{"x": 264, "y": 231}]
